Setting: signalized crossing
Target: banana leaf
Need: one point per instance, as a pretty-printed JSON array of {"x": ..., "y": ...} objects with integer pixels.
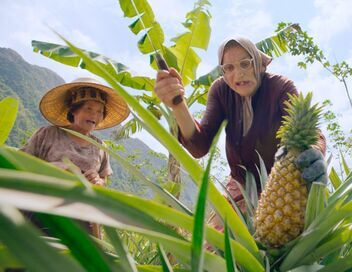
[
  {"x": 121, "y": 72},
  {"x": 8, "y": 113}
]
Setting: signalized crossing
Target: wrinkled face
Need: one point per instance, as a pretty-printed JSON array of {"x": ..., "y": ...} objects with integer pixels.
[
  {"x": 87, "y": 117},
  {"x": 237, "y": 73}
]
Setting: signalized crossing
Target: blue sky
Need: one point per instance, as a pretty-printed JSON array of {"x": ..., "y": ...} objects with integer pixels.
[{"x": 100, "y": 26}]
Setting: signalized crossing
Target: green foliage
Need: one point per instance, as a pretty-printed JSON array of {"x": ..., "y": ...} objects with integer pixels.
[
  {"x": 142, "y": 250},
  {"x": 197, "y": 261},
  {"x": 8, "y": 113},
  {"x": 341, "y": 141},
  {"x": 53, "y": 191},
  {"x": 65, "y": 55},
  {"x": 300, "y": 43}
]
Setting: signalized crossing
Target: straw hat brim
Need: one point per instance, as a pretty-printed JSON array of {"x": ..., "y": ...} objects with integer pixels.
[{"x": 54, "y": 107}]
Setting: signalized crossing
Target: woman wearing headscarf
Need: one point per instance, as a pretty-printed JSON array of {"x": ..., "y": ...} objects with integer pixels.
[
  {"x": 84, "y": 105},
  {"x": 252, "y": 101}
]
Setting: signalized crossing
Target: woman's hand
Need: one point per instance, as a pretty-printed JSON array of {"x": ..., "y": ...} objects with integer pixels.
[
  {"x": 168, "y": 85},
  {"x": 93, "y": 177}
]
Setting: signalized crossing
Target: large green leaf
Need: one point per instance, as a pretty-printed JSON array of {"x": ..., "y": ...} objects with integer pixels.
[
  {"x": 40, "y": 193},
  {"x": 8, "y": 259},
  {"x": 13, "y": 159},
  {"x": 336, "y": 240},
  {"x": 8, "y": 113},
  {"x": 23, "y": 240},
  {"x": 62, "y": 198},
  {"x": 197, "y": 36},
  {"x": 121, "y": 73},
  {"x": 342, "y": 264},
  {"x": 240, "y": 231},
  {"x": 153, "y": 37},
  {"x": 69, "y": 194}
]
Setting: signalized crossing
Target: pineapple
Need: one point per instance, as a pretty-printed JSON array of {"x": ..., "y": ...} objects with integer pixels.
[{"x": 279, "y": 217}]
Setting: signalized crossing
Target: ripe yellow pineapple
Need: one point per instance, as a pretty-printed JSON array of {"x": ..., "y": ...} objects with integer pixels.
[{"x": 279, "y": 217}]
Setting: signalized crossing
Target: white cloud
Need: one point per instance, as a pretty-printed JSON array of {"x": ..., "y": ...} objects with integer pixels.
[
  {"x": 170, "y": 14},
  {"x": 83, "y": 40},
  {"x": 334, "y": 17},
  {"x": 246, "y": 18},
  {"x": 28, "y": 23}
]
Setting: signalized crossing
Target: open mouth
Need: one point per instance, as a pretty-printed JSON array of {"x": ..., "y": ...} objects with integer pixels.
[
  {"x": 91, "y": 122},
  {"x": 242, "y": 83}
]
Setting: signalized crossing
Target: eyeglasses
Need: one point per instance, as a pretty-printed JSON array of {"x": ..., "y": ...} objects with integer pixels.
[{"x": 243, "y": 65}]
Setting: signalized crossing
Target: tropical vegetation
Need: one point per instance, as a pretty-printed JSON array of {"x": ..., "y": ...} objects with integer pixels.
[{"x": 178, "y": 234}]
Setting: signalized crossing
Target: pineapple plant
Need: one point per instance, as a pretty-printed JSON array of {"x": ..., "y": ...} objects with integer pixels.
[{"x": 279, "y": 217}]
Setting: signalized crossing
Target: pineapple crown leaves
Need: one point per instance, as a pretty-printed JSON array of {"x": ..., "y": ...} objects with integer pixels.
[{"x": 299, "y": 129}]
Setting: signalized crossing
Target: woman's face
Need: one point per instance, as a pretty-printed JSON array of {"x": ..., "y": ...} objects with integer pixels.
[
  {"x": 239, "y": 72},
  {"x": 87, "y": 117}
]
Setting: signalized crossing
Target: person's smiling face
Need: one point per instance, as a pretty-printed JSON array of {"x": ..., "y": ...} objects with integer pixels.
[
  {"x": 240, "y": 77},
  {"x": 87, "y": 117}
]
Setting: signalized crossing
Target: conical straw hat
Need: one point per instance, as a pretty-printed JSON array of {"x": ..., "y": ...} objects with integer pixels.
[{"x": 55, "y": 104}]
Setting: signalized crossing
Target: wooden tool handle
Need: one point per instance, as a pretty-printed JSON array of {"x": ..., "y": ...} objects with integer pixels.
[{"x": 162, "y": 65}]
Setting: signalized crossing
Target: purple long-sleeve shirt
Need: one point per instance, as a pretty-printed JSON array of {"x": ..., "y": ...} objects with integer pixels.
[{"x": 268, "y": 107}]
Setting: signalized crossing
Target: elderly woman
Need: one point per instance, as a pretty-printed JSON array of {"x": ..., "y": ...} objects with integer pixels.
[
  {"x": 83, "y": 105},
  {"x": 251, "y": 99}
]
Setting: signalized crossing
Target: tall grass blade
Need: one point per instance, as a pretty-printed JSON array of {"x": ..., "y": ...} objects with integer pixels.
[
  {"x": 229, "y": 257},
  {"x": 251, "y": 189},
  {"x": 334, "y": 178},
  {"x": 199, "y": 216},
  {"x": 127, "y": 262},
  {"x": 263, "y": 173},
  {"x": 343, "y": 189},
  {"x": 346, "y": 168},
  {"x": 164, "y": 260},
  {"x": 316, "y": 202}
]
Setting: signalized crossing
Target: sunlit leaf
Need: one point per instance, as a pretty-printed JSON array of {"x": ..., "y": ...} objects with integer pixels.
[
  {"x": 121, "y": 73},
  {"x": 8, "y": 113}
]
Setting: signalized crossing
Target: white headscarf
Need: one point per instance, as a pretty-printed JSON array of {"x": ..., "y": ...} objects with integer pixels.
[{"x": 260, "y": 62}]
